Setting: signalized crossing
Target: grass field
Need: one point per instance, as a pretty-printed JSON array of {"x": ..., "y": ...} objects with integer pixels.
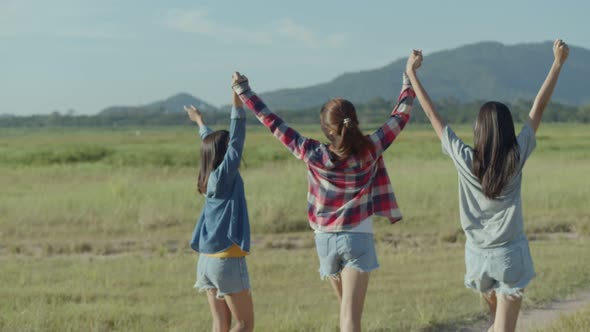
[{"x": 94, "y": 226}]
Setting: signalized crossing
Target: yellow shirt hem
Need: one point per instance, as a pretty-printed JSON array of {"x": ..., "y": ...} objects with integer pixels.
[{"x": 231, "y": 252}]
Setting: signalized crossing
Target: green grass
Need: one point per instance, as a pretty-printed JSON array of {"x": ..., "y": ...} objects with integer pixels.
[
  {"x": 132, "y": 147},
  {"x": 415, "y": 288},
  {"x": 94, "y": 227},
  {"x": 107, "y": 200}
]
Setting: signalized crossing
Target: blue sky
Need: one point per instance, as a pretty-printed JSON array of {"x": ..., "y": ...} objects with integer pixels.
[{"x": 86, "y": 55}]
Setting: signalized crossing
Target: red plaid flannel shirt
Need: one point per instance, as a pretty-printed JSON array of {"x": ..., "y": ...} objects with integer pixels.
[{"x": 341, "y": 194}]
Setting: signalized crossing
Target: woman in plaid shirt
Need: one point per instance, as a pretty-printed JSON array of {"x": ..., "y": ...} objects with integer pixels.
[{"x": 348, "y": 183}]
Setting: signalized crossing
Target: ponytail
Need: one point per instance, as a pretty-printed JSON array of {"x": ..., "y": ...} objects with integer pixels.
[{"x": 338, "y": 116}]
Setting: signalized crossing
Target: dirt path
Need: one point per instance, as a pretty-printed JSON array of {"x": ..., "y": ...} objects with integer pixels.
[{"x": 537, "y": 318}]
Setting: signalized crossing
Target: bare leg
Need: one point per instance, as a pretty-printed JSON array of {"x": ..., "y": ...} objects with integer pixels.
[
  {"x": 242, "y": 309},
  {"x": 337, "y": 285},
  {"x": 492, "y": 303},
  {"x": 507, "y": 312},
  {"x": 219, "y": 311},
  {"x": 354, "y": 289}
]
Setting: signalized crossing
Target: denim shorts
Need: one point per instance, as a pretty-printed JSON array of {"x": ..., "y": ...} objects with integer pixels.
[
  {"x": 345, "y": 249},
  {"x": 505, "y": 270},
  {"x": 227, "y": 275}
]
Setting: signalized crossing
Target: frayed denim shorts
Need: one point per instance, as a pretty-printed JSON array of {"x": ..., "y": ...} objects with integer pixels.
[
  {"x": 345, "y": 249},
  {"x": 505, "y": 270},
  {"x": 227, "y": 275}
]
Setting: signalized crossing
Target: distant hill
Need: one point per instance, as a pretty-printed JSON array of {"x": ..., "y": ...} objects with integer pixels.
[
  {"x": 483, "y": 71},
  {"x": 171, "y": 104},
  {"x": 176, "y": 102}
]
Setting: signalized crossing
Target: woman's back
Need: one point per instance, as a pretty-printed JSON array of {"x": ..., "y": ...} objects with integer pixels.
[
  {"x": 498, "y": 262},
  {"x": 488, "y": 222},
  {"x": 342, "y": 190},
  {"x": 342, "y": 193},
  {"x": 224, "y": 220}
]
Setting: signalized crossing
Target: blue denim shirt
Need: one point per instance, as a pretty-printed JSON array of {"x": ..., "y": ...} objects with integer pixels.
[{"x": 224, "y": 220}]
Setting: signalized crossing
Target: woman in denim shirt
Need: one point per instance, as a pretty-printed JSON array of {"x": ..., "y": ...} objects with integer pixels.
[
  {"x": 498, "y": 262},
  {"x": 222, "y": 233}
]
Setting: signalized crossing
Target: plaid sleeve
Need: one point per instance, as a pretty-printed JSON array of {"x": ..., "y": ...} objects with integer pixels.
[
  {"x": 300, "y": 146},
  {"x": 384, "y": 136}
]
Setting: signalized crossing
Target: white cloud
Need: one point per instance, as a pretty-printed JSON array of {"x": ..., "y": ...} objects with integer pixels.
[
  {"x": 96, "y": 33},
  {"x": 199, "y": 22},
  {"x": 296, "y": 32},
  {"x": 284, "y": 30},
  {"x": 293, "y": 31},
  {"x": 336, "y": 40},
  {"x": 20, "y": 18},
  {"x": 12, "y": 21}
]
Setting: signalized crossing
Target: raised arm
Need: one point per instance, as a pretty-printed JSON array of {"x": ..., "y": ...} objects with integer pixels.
[
  {"x": 300, "y": 146},
  {"x": 197, "y": 117},
  {"x": 237, "y": 136},
  {"x": 560, "y": 54},
  {"x": 386, "y": 134},
  {"x": 414, "y": 62}
]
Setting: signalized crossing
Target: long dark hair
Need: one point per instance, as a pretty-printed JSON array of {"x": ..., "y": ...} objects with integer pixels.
[
  {"x": 341, "y": 126},
  {"x": 213, "y": 150},
  {"x": 496, "y": 153}
]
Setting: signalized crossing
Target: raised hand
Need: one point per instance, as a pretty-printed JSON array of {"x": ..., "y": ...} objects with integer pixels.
[
  {"x": 194, "y": 114},
  {"x": 238, "y": 78},
  {"x": 239, "y": 83},
  {"x": 560, "y": 51},
  {"x": 414, "y": 61}
]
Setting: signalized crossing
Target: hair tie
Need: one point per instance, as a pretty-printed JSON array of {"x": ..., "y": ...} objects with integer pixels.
[{"x": 346, "y": 122}]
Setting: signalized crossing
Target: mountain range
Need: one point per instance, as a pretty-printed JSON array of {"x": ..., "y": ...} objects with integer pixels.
[{"x": 482, "y": 71}]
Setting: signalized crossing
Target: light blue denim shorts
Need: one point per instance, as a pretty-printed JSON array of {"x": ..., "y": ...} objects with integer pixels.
[
  {"x": 505, "y": 270},
  {"x": 345, "y": 249},
  {"x": 227, "y": 275}
]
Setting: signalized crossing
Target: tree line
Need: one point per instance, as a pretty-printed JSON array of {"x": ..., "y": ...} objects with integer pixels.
[{"x": 373, "y": 111}]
